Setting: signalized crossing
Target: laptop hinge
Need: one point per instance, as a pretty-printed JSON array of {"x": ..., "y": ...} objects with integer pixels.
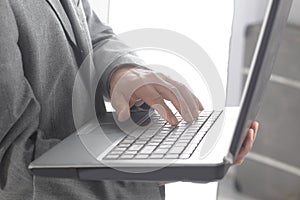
[{"x": 229, "y": 158}]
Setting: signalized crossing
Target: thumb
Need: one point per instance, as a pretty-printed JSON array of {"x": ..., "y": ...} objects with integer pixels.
[{"x": 121, "y": 106}]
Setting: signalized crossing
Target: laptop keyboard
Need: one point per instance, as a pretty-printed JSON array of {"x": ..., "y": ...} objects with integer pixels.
[{"x": 163, "y": 141}]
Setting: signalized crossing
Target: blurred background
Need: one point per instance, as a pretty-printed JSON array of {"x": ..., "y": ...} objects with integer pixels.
[
  {"x": 272, "y": 170},
  {"x": 228, "y": 32}
]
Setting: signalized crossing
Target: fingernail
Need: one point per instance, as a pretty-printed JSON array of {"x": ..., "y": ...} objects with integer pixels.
[
  {"x": 123, "y": 115},
  {"x": 174, "y": 121},
  {"x": 190, "y": 118},
  {"x": 195, "y": 114},
  {"x": 251, "y": 134}
]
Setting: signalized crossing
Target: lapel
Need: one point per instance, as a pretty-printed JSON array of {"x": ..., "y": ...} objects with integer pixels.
[
  {"x": 77, "y": 18},
  {"x": 63, "y": 18}
]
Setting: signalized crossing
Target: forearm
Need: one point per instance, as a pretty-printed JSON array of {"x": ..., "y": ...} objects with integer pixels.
[{"x": 109, "y": 52}]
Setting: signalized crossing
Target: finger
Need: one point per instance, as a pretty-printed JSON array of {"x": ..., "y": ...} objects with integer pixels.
[
  {"x": 240, "y": 158},
  {"x": 176, "y": 97},
  {"x": 191, "y": 99},
  {"x": 121, "y": 105},
  {"x": 255, "y": 126},
  {"x": 169, "y": 95},
  {"x": 151, "y": 97},
  {"x": 188, "y": 97},
  {"x": 247, "y": 144},
  {"x": 132, "y": 101},
  {"x": 199, "y": 104},
  {"x": 238, "y": 161},
  {"x": 249, "y": 140},
  {"x": 246, "y": 147}
]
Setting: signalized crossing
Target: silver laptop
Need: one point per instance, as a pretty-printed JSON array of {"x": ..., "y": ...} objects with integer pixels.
[{"x": 199, "y": 151}]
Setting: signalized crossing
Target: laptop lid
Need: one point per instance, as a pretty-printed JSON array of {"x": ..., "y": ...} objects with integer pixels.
[{"x": 261, "y": 68}]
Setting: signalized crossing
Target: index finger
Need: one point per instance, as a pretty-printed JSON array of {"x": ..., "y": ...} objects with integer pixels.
[{"x": 151, "y": 97}]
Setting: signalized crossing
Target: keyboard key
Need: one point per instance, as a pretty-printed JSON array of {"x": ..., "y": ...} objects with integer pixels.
[
  {"x": 188, "y": 137},
  {"x": 148, "y": 134},
  {"x": 208, "y": 123},
  {"x": 182, "y": 125},
  {"x": 198, "y": 123},
  {"x": 181, "y": 144},
  {"x": 185, "y": 156},
  {"x": 171, "y": 156},
  {"x": 176, "y": 150},
  {"x": 162, "y": 134},
  {"x": 142, "y": 156},
  {"x": 183, "y": 140},
  {"x": 112, "y": 157},
  {"x": 202, "y": 119},
  {"x": 165, "y": 146},
  {"x": 153, "y": 144},
  {"x": 143, "y": 139},
  {"x": 135, "y": 147},
  {"x": 116, "y": 152},
  {"x": 190, "y": 149},
  {"x": 204, "y": 128},
  {"x": 127, "y": 156},
  {"x": 119, "y": 149},
  {"x": 124, "y": 145},
  {"x": 159, "y": 136},
  {"x": 174, "y": 137},
  {"x": 156, "y": 140},
  {"x": 127, "y": 141},
  {"x": 156, "y": 156},
  {"x": 131, "y": 152},
  {"x": 180, "y": 128},
  {"x": 205, "y": 113},
  {"x": 164, "y": 131},
  {"x": 161, "y": 151},
  {"x": 198, "y": 137},
  {"x": 147, "y": 149},
  {"x": 196, "y": 140},
  {"x": 140, "y": 142},
  {"x": 154, "y": 129},
  {"x": 175, "y": 134},
  {"x": 168, "y": 142},
  {"x": 192, "y": 129}
]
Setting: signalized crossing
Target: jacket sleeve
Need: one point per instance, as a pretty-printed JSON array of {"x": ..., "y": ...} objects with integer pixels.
[
  {"x": 19, "y": 109},
  {"x": 109, "y": 51}
]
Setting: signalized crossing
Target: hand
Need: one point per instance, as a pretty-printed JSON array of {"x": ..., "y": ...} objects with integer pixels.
[
  {"x": 248, "y": 143},
  {"x": 129, "y": 84}
]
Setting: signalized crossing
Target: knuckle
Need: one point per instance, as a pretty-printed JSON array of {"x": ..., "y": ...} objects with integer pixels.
[
  {"x": 161, "y": 75},
  {"x": 173, "y": 88},
  {"x": 152, "y": 75},
  {"x": 156, "y": 100},
  {"x": 180, "y": 85}
]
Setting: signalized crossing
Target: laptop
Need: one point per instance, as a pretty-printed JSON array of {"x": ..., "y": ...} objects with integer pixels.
[{"x": 201, "y": 151}]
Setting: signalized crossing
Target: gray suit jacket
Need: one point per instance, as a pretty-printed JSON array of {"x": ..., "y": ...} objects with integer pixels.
[{"x": 42, "y": 44}]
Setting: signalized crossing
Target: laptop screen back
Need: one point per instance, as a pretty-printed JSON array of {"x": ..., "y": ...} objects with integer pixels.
[{"x": 261, "y": 68}]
